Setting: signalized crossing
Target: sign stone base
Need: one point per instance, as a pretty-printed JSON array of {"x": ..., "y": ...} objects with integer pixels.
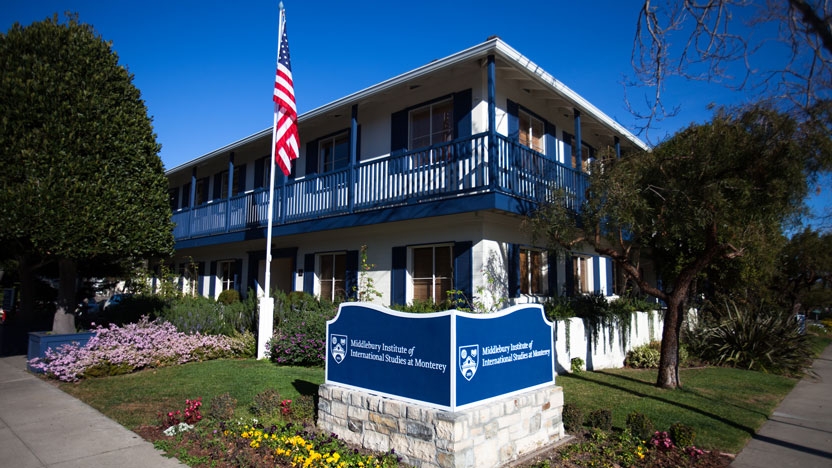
[{"x": 492, "y": 434}]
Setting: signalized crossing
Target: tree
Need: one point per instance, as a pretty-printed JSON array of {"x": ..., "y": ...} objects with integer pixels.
[
  {"x": 805, "y": 267},
  {"x": 82, "y": 183},
  {"x": 779, "y": 50},
  {"x": 709, "y": 194}
]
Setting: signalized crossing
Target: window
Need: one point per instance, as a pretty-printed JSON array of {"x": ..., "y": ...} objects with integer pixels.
[
  {"x": 332, "y": 274},
  {"x": 531, "y": 131},
  {"x": 235, "y": 188},
  {"x": 531, "y": 272},
  {"x": 581, "y": 274},
  {"x": 571, "y": 152},
  {"x": 334, "y": 152},
  {"x": 432, "y": 273},
  {"x": 227, "y": 275},
  {"x": 431, "y": 124}
]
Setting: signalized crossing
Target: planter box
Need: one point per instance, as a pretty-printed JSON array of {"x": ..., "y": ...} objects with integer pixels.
[{"x": 39, "y": 342}]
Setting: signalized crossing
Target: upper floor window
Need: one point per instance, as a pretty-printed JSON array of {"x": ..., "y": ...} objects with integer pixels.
[
  {"x": 570, "y": 145},
  {"x": 235, "y": 187},
  {"x": 332, "y": 274},
  {"x": 432, "y": 124},
  {"x": 334, "y": 152},
  {"x": 531, "y": 272},
  {"x": 432, "y": 273},
  {"x": 531, "y": 131}
]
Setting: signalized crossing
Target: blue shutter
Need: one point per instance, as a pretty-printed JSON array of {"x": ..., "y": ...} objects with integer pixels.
[
  {"x": 462, "y": 114},
  {"x": 260, "y": 172},
  {"x": 238, "y": 275},
  {"x": 358, "y": 146},
  {"x": 462, "y": 269},
  {"x": 213, "y": 278},
  {"x": 398, "y": 132},
  {"x": 610, "y": 281},
  {"x": 552, "y": 259},
  {"x": 200, "y": 277},
  {"x": 513, "y": 270},
  {"x": 204, "y": 190},
  {"x": 596, "y": 273},
  {"x": 513, "y": 121},
  {"x": 570, "y": 276},
  {"x": 351, "y": 275},
  {"x": 551, "y": 142},
  {"x": 217, "y": 183},
  {"x": 309, "y": 274},
  {"x": 398, "y": 294},
  {"x": 240, "y": 173},
  {"x": 312, "y": 157}
]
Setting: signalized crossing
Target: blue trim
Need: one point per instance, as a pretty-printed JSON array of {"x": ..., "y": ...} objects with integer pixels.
[
  {"x": 492, "y": 119},
  {"x": 309, "y": 274},
  {"x": 551, "y": 141},
  {"x": 212, "y": 289},
  {"x": 513, "y": 110},
  {"x": 463, "y": 260},
  {"x": 311, "y": 157},
  {"x": 578, "y": 151},
  {"x": 610, "y": 281},
  {"x": 552, "y": 260},
  {"x": 617, "y": 142},
  {"x": 200, "y": 277},
  {"x": 351, "y": 275},
  {"x": 398, "y": 275},
  {"x": 260, "y": 172},
  {"x": 596, "y": 273},
  {"x": 569, "y": 281},
  {"x": 462, "y": 113},
  {"x": 513, "y": 270}
]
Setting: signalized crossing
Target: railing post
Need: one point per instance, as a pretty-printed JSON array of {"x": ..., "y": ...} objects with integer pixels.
[{"x": 492, "y": 122}]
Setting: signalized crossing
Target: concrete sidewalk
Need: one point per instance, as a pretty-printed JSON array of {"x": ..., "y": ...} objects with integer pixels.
[
  {"x": 41, "y": 426},
  {"x": 799, "y": 432}
]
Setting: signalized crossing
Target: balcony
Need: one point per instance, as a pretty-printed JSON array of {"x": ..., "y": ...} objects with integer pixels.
[{"x": 441, "y": 172}]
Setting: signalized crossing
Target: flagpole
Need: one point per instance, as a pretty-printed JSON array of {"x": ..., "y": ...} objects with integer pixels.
[{"x": 266, "y": 323}]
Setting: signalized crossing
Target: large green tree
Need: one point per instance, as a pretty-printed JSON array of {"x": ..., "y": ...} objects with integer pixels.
[
  {"x": 712, "y": 193},
  {"x": 82, "y": 183}
]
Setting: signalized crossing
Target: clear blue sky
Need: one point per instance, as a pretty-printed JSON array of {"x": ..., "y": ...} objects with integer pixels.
[{"x": 206, "y": 68}]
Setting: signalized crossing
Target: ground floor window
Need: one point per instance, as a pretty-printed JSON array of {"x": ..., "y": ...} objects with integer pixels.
[
  {"x": 581, "y": 274},
  {"x": 531, "y": 272},
  {"x": 226, "y": 274},
  {"x": 432, "y": 272},
  {"x": 332, "y": 274}
]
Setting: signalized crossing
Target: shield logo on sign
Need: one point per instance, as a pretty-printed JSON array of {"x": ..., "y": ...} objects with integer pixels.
[
  {"x": 469, "y": 360},
  {"x": 338, "y": 347}
]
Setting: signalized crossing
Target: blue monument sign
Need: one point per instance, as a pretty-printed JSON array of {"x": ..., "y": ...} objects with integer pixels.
[{"x": 449, "y": 360}]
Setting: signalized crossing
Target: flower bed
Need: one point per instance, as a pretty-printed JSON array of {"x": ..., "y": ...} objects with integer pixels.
[{"x": 119, "y": 350}]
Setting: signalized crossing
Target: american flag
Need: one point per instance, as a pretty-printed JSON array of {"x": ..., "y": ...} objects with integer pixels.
[{"x": 286, "y": 115}]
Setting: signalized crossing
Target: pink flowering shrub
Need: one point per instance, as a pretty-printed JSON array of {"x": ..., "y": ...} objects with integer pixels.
[{"x": 119, "y": 350}]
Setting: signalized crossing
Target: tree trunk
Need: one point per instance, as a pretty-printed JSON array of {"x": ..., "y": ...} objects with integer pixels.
[
  {"x": 669, "y": 361},
  {"x": 64, "y": 320}
]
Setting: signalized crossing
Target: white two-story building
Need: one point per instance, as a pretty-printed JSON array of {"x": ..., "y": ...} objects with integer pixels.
[{"x": 433, "y": 171}]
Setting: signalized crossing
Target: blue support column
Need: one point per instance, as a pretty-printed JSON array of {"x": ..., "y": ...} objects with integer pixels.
[
  {"x": 492, "y": 122},
  {"x": 617, "y": 147},
  {"x": 192, "y": 200},
  {"x": 353, "y": 157},
  {"x": 229, "y": 191},
  {"x": 579, "y": 160}
]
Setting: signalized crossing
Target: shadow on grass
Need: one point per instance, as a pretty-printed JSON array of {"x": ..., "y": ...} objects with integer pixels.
[
  {"x": 306, "y": 388},
  {"x": 750, "y": 431}
]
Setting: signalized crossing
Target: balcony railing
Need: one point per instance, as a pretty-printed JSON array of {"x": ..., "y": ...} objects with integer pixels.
[{"x": 444, "y": 171}]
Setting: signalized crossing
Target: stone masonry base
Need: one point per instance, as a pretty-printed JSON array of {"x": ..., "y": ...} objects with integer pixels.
[{"x": 491, "y": 434}]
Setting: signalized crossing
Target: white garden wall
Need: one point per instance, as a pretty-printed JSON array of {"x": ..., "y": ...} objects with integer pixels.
[{"x": 574, "y": 340}]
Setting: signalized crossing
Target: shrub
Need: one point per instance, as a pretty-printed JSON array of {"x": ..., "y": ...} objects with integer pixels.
[
  {"x": 131, "y": 309},
  {"x": 681, "y": 434},
  {"x": 243, "y": 345},
  {"x": 229, "y": 296},
  {"x": 573, "y": 417},
  {"x": 558, "y": 308},
  {"x": 266, "y": 403},
  {"x": 640, "y": 425},
  {"x": 600, "y": 419},
  {"x": 756, "y": 338},
  {"x": 423, "y": 307},
  {"x": 131, "y": 347},
  {"x": 222, "y": 407},
  {"x": 644, "y": 356},
  {"x": 299, "y": 338},
  {"x": 303, "y": 408},
  {"x": 204, "y": 315},
  {"x": 577, "y": 365}
]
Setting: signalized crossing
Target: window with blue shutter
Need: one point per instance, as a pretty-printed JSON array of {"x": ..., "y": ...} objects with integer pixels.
[{"x": 398, "y": 276}]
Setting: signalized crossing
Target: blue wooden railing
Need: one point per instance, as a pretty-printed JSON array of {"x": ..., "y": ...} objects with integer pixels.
[{"x": 435, "y": 173}]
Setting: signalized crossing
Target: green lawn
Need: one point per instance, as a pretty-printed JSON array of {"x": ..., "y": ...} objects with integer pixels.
[{"x": 724, "y": 406}]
